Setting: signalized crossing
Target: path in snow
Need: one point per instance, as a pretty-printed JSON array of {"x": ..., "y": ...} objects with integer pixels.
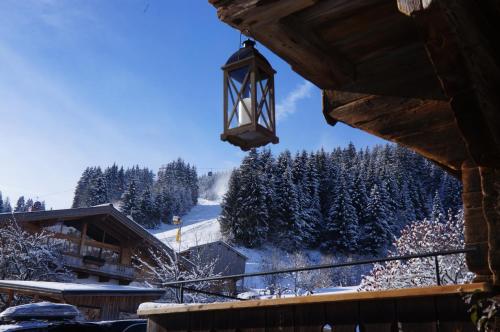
[{"x": 199, "y": 226}]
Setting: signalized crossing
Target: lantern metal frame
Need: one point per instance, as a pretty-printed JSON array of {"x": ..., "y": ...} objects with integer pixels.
[{"x": 253, "y": 134}]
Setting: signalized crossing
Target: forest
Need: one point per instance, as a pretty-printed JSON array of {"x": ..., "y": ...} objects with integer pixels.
[
  {"x": 22, "y": 205},
  {"x": 146, "y": 198},
  {"x": 345, "y": 201}
]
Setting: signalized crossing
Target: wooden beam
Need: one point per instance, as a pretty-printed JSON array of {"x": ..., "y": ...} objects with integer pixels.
[
  {"x": 464, "y": 51},
  {"x": 340, "y": 297},
  {"x": 297, "y": 44},
  {"x": 302, "y": 51},
  {"x": 341, "y": 69},
  {"x": 254, "y": 13},
  {"x": 424, "y": 126},
  {"x": 82, "y": 238}
]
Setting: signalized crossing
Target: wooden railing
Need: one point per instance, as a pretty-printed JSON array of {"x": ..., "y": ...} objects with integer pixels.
[{"x": 117, "y": 270}]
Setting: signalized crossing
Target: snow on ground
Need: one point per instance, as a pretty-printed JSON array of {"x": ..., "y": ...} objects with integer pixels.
[{"x": 199, "y": 226}]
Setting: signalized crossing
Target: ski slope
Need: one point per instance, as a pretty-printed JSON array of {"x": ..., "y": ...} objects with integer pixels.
[{"x": 199, "y": 226}]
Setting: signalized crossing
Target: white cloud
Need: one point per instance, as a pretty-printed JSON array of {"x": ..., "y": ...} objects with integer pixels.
[{"x": 288, "y": 105}]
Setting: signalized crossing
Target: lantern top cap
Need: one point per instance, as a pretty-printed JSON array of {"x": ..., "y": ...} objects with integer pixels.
[{"x": 247, "y": 51}]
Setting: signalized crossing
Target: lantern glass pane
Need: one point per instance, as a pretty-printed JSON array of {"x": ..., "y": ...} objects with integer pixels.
[
  {"x": 264, "y": 100},
  {"x": 239, "y": 100}
]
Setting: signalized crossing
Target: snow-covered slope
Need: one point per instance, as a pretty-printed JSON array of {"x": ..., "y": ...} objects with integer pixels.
[{"x": 199, "y": 226}]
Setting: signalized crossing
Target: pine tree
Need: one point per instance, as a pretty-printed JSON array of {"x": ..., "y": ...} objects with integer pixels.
[
  {"x": 342, "y": 223},
  {"x": 129, "y": 200},
  {"x": 327, "y": 175},
  {"x": 6, "y": 205},
  {"x": 97, "y": 189},
  {"x": 229, "y": 218},
  {"x": 438, "y": 213},
  {"x": 285, "y": 222},
  {"x": 20, "y": 205},
  {"x": 451, "y": 193},
  {"x": 376, "y": 232},
  {"x": 81, "y": 190},
  {"x": 164, "y": 206},
  {"x": 146, "y": 211},
  {"x": 1, "y": 203},
  {"x": 311, "y": 213},
  {"x": 253, "y": 213},
  {"x": 114, "y": 182},
  {"x": 359, "y": 198}
]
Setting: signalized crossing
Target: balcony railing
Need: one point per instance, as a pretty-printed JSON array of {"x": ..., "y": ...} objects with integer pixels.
[{"x": 116, "y": 270}]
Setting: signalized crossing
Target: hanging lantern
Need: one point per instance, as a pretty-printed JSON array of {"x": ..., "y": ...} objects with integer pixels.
[{"x": 249, "y": 114}]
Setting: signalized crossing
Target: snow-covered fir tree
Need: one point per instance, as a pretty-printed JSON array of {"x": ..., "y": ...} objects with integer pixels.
[
  {"x": 97, "y": 190},
  {"x": 130, "y": 201},
  {"x": 285, "y": 213},
  {"x": 437, "y": 213},
  {"x": 20, "y": 205},
  {"x": 251, "y": 197},
  {"x": 376, "y": 231},
  {"x": 6, "y": 205},
  {"x": 341, "y": 225},
  {"x": 229, "y": 217}
]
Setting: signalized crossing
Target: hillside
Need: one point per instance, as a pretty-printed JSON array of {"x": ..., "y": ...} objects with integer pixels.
[{"x": 199, "y": 226}]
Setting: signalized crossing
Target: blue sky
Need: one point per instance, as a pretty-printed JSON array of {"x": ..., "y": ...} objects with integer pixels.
[{"x": 133, "y": 82}]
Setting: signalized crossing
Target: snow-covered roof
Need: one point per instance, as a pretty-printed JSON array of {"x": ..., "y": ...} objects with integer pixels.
[
  {"x": 220, "y": 242},
  {"x": 65, "y": 288},
  {"x": 103, "y": 209}
]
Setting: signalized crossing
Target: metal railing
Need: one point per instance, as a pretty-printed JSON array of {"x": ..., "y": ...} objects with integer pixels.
[{"x": 181, "y": 283}]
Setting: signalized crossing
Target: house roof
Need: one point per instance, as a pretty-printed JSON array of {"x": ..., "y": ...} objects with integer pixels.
[
  {"x": 122, "y": 223},
  {"x": 72, "y": 289},
  {"x": 219, "y": 242}
]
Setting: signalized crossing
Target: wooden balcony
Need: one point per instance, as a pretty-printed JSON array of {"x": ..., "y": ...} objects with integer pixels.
[
  {"x": 111, "y": 270},
  {"x": 436, "y": 308}
]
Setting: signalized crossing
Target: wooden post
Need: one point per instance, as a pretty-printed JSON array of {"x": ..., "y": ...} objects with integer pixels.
[
  {"x": 10, "y": 297},
  {"x": 82, "y": 239},
  {"x": 475, "y": 230},
  {"x": 490, "y": 182}
]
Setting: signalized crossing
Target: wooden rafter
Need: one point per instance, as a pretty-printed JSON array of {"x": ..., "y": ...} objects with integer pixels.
[{"x": 251, "y": 14}]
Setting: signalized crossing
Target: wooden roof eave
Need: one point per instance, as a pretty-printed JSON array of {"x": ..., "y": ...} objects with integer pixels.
[
  {"x": 295, "y": 32},
  {"x": 425, "y": 126}
]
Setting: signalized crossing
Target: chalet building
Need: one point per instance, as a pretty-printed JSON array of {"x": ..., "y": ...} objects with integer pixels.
[
  {"x": 94, "y": 301},
  {"x": 98, "y": 242},
  {"x": 229, "y": 261}
]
